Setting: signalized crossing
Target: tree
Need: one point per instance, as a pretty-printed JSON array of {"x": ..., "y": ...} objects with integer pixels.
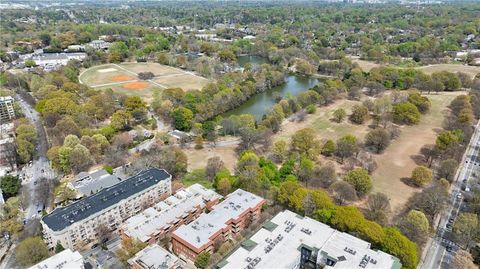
[
  {"x": 305, "y": 170},
  {"x": 202, "y": 260},
  {"x": 214, "y": 165},
  {"x": 130, "y": 247},
  {"x": 448, "y": 139},
  {"x": 421, "y": 102},
  {"x": 378, "y": 139},
  {"x": 430, "y": 201},
  {"x": 30, "y": 63},
  {"x": 328, "y": 148},
  {"x": 120, "y": 120},
  {"x": 415, "y": 226},
  {"x": 398, "y": 245},
  {"x": 466, "y": 228},
  {"x": 343, "y": 192},
  {"x": 360, "y": 180},
  {"x": 59, "y": 248},
  {"x": 447, "y": 169},
  {"x": 145, "y": 75},
  {"x": 378, "y": 201},
  {"x": 10, "y": 185},
  {"x": 463, "y": 259},
  {"x": 346, "y": 146},
  {"x": 182, "y": 118},
  {"x": 406, "y": 113},
  {"x": 80, "y": 158},
  {"x": 224, "y": 186},
  {"x": 421, "y": 176},
  {"x": 304, "y": 143},
  {"x": 279, "y": 151},
  {"x": 326, "y": 175},
  {"x": 339, "y": 115},
  {"x": 359, "y": 114},
  {"x": 31, "y": 251}
]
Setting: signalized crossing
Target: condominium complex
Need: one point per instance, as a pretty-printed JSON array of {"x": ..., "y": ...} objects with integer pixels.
[
  {"x": 6, "y": 109},
  {"x": 154, "y": 257},
  {"x": 164, "y": 217},
  {"x": 79, "y": 224},
  {"x": 294, "y": 242},
  {"x": 224, "y": 222},
  {"x": 66, "y": 259}
]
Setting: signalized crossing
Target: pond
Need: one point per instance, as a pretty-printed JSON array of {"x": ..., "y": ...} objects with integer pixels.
[{"x": 260, "y": 103}]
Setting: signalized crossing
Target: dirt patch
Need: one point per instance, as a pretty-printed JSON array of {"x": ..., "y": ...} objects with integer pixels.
[
  {"x": 135, "y": 85},
  {"x": 121, "y": 78}
]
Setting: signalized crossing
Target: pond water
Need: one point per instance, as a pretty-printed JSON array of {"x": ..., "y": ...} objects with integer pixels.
[{"x": 260, "y": 103}]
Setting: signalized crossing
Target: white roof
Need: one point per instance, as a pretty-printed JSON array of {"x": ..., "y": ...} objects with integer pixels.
[
  {"x": 66, "y": 259},
  {"x": 152, "y": 220},
  {"x": 288, "y": 231},
  {"x": 154, "y": 256},
  {"x": 198, "y": 232}
]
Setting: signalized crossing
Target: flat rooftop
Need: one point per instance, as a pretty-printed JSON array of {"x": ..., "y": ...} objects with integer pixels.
[
  {"x": 278, "y": 244},
  {"x": 63, "y": 217},
  {"x": 65, "y": 259},
  {"x": 91, "y": 183},
  {"x": 154, "y": 256},
  {"x": 198, "y": 232},
  {"x": 163, "y": 214}
]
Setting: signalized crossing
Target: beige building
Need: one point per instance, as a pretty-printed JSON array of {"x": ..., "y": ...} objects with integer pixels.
[
  {"x": 79, "y": 224},
  {"x": 66, "y": 259},
  {"x": 155, "y": 222},
  {"x": 154, "y": 257}
]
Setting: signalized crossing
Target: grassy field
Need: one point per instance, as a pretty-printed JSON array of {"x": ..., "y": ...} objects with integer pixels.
[
  {"x": 123, "y": 78},
  {"x": 428, "y": 69},
  {"x": 324, "y": 127},
  {"x": 398, "y": 160},
  {"x": 198, "y": 158}
]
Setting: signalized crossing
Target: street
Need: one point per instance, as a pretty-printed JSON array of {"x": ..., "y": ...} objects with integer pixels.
[
  {"x": 437, "y": 255},
  {"x": 39, "y": 169}
]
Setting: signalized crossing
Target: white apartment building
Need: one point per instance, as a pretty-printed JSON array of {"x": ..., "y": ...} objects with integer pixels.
[
  {"x": 154, "y": 257},
  {"x": 291, "y": 241},
  {"x": 77, "y": 224},
  {"x": 164, "y": 217},
  {"x": 66, "y": 259},
  {"x": 7, "y": 112}
]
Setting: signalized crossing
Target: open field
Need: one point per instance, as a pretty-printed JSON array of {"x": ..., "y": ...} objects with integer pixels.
[
  {"x": 198, "y": 158},
  {"x": 322, "y": 125},
  {"x": 397, "y": 161},
  {"x": 471, "y": 70},
  {"x": 428, "y": 69},
  {"x": 123, "y": 78}
]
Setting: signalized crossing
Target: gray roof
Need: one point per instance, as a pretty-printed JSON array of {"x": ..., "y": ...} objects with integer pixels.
[
  {"x": 63, "y": 217},
  {"x": 91, "y": 183}
]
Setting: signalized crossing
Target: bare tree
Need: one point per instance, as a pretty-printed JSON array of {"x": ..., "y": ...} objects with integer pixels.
[{"x": 214, "y": 165}]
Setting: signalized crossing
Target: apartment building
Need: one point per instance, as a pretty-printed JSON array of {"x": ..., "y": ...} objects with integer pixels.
[
  {"x": 157, "y": 221},
  {"x": 292, "y": 241},
  {"x": 155, "y": 257},
  {"x": 86, "y": 184},
  {"x": 7, "y": 112},
  {"x": 67, "y": 259},
  {"x": 225, "y": 221},
  {"x": 78, "y": 224}
]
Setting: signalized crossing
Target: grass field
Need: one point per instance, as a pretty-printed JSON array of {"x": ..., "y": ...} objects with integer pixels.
[
  {"x": 397, "y": 161},
  {"x": 428, "y": 69},
  {"x": 198, "y": 158},
  {"x": 123, "y": 78},
  {"x": 324, "y": 127}
]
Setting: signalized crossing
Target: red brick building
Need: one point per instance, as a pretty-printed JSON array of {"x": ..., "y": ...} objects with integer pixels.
[{"x": 224, "y": 222}]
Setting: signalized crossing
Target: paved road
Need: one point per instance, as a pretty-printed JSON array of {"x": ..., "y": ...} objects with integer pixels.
[
  {"x": 437, "y": 256},
  {"x": 39, "y": 169}
]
